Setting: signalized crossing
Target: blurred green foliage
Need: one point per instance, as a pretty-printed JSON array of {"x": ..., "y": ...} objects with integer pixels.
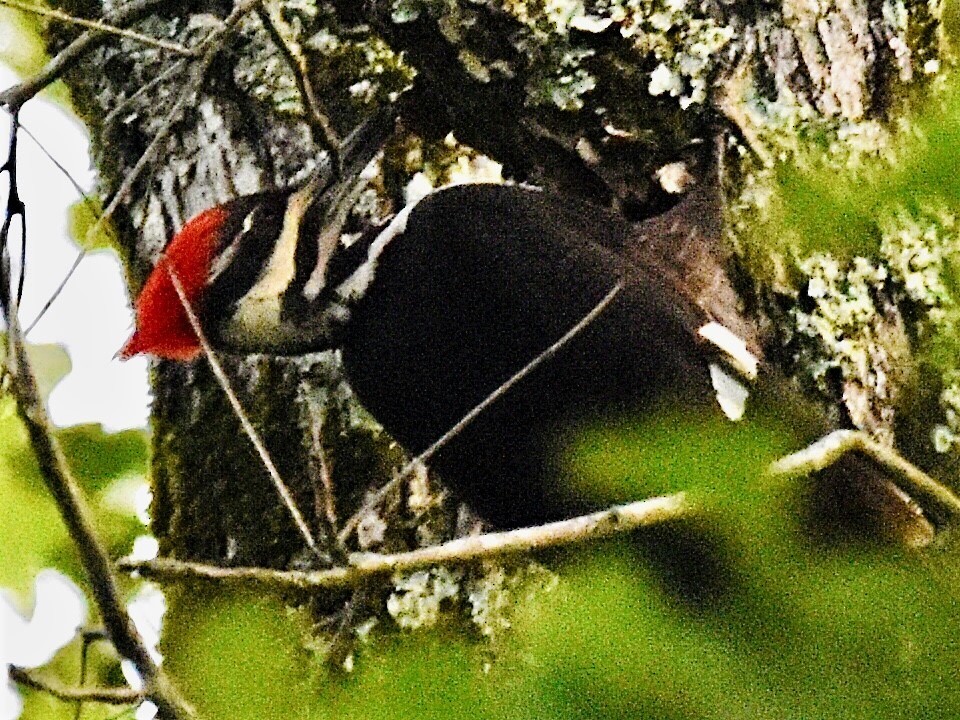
[
  {"x": 24, "y": 52},
  {"x": 31, "y": 532},
  {"x": 821, "y": 206},
  {"x": 109, "y": 468},
  {"x": 740, "y": 612},
  {"x": 794, "y": 627}
]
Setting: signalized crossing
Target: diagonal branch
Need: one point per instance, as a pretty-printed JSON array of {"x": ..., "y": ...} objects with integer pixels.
[
  {"x": 99, "y": 25},
  {"x": 830, "y": 448},
  {"x": 374, "y": 500},
  {"x": 362, "y": 567},
  {"x": 251, "y": 432},
  {"x": 91, "y": 205},
  {"x": 107, "y": 696}
]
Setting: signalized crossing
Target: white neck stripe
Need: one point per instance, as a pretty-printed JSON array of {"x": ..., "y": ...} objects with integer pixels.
[{"x": 359, "y": 280}]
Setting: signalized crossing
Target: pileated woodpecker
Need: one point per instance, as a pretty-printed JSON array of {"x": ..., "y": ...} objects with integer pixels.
[{"x": 437, "y": 309}]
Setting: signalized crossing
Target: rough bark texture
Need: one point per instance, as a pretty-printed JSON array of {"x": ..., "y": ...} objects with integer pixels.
[{"x": 586, "y": 101}]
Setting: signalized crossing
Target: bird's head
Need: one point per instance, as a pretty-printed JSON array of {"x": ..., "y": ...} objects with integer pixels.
[{"x": 261, "y": 274}]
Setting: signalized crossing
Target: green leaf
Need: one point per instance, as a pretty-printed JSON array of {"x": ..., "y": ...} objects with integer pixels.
[
  {"x": 24, "y": 50},
  {"x": 99, "y": 459},
  {"x": 237, "y": 655},
  {"x": 50, "y": 363},
  {"x": 31, "y": 533},
  {"x": 85, "y": 228}
]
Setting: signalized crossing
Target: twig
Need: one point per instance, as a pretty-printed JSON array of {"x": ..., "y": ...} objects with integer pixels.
[
  {"x": 83, "y": 253},
  {"x": 106, "y": 696},
  {"x": 829, "y": 449},
  {"x": 316, "y": 117},
  {"x": 240, "y": 8},
  {"x": 344, "y": 640},
  {"x": 56, "y": 292},
  {"x": 364, "y": 566},
  {"x": 131, "y": 177},
  {"x": 88, "y": 638},
  {"x": 282, "y": 490},
  {"x": 14, "y": 97},
  {"x": 98, "y": 25},
  {"x": 15, "y": 208},
  {"x": 425, "y": 456},
  {"x": 144, "y": 89},
  {"x": 62, "y": 486},
  {"x": 63, "y": 171},
  {"x": 92, "y": 206},
  {"x": 323, "y": 489}
]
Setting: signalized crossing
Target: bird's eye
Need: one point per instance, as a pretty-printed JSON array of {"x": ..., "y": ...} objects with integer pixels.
[{"x": 228, "y": 251}]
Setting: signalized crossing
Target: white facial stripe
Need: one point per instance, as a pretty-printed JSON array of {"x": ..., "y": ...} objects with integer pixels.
[
  {"x": 733, "y": 347},
  {"x": 358, "y": 282},
  {"x": 731, "y": 394},
  {"x": 259, "y": 310},
  {"x": 331, "y": 235},
  {"x": 327, "y": 245}
]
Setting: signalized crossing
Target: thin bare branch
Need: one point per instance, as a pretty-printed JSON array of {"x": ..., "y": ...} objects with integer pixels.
[
  {"x": 106, "y": 696},
  {"x": 210, "y": 48},
  {"x": 98, "y": 25},
  {"x": 317, "y": 118},
  {"x": 56, "y": 292},
  {"x": 829, "y": 449},
  {"x": 143, "y": 90},
  {"x": 60, "y": 482},
  {"x": 63, "y": 171},
  {"x": 423, "y": 458},
  {"x": 83, "y": 253},
  {"x": 282, "y": 490},
  {"x": 323, "y": 489},
  {"x": 363, "y": 567},
  {"x": 14, "y": 97}
]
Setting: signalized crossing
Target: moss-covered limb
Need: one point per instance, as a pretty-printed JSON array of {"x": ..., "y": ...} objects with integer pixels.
[
  {"x": 563, "y": 97},
  {"x": 940, "y": 500},
  {"x": 854, "y": 244},
  {"x": 591, "y": 97},
  {"x": 825, "y": 176},
  {"x": 364, "y": 566}
]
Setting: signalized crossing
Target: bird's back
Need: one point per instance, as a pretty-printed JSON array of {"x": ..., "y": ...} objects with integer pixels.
[{"x": 482, "y": 281}]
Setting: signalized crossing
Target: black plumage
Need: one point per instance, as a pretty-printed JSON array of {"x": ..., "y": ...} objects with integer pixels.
[{"x": 482, "y": 280}]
